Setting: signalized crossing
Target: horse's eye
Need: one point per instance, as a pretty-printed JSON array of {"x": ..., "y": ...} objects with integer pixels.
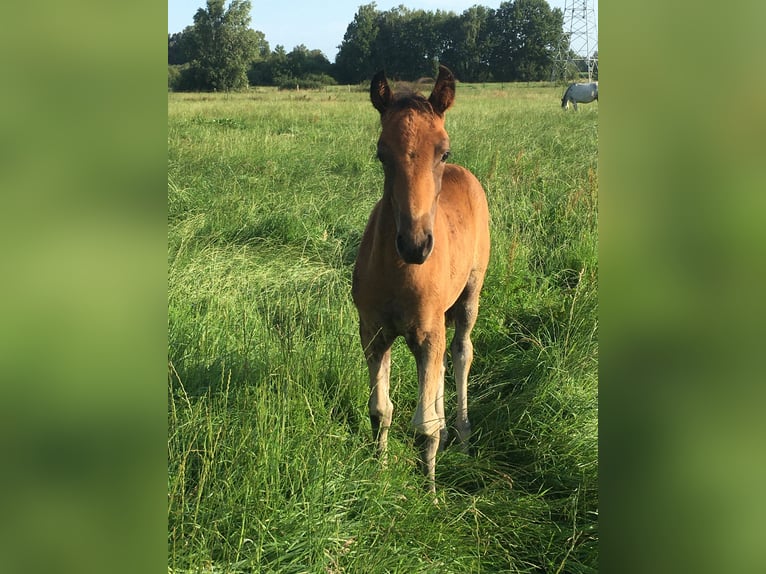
[{"x": 445, "y": 156}]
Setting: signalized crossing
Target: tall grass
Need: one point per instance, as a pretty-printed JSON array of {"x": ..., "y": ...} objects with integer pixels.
[{"x": 270, "y": 465}]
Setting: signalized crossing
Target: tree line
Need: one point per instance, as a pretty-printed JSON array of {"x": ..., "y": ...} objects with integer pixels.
[{"x": 515, "y": 42}]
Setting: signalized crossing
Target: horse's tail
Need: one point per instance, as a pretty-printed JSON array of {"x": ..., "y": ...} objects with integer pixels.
[{"x": 564, "y": 97}]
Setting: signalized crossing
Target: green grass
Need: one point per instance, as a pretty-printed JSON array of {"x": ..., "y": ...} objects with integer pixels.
[{"x": 270, "y": 462}]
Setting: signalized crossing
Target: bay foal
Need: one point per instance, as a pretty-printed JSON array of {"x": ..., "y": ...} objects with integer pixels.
[{"x": 421, "y": 263}]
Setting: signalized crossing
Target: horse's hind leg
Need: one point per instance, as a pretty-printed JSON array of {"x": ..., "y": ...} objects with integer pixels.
[{"x": 440, "y": 403}]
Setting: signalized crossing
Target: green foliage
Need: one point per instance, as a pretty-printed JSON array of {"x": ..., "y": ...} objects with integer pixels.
[
  {"x": 221, "y": 46},
  {"x": 174, "y": 76},
  {"x": 179, "y": 47},
  {"x": 270, "y": 461},
  {"x": 516, "y": 42},
  {"x": 466, "y": 51},
  {"x": 355, "y": 60},
  {"x": 302, "y": 67},
  {"x": 524, "y": 36}
]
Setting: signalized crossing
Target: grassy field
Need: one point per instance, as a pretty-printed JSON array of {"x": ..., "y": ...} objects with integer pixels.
[{"x": 270, "y": 461}]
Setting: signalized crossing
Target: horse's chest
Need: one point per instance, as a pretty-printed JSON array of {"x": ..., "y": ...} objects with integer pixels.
[
  {"x": 398, "y": 305},
  {"x": 397, "y": 316}
]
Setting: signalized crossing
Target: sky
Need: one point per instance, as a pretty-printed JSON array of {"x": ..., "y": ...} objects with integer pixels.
[{"x": 318, "y": 25}]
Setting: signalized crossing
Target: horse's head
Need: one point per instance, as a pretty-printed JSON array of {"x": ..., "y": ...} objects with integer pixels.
[{"x": 413, "y": 148}]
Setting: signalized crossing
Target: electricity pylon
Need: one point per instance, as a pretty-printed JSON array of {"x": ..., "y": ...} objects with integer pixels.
[{"x": 577, "y": 54}]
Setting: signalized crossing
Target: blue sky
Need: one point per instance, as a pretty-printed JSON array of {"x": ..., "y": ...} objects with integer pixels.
[{"x": 319, "y": 25}]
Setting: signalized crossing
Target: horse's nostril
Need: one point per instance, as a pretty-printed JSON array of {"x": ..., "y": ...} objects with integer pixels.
[
  {"x": 400, "y": 244},
  {"x": 429, "y": 242}
]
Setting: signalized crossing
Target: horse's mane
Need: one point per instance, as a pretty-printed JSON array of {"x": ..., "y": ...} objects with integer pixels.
[{"x": 409, "y": 99}]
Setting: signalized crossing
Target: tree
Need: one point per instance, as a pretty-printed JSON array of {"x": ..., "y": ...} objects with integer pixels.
[
  {"x": 178, "y": 47},
  {"x": 466, "y": 51},
  {"x": 355, "y": 60},
  {"x": 516, "y": 42},
  {"x": 261, "y": 46},
  {"x": 222, "y": 46},
  {"x": 406, "y": 43},
  {"x": 523, "y": 38},
  {"x": 410, "y": 43}
]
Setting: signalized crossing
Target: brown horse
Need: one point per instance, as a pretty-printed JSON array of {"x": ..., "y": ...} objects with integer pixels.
[{"x": 421, "y": 263}]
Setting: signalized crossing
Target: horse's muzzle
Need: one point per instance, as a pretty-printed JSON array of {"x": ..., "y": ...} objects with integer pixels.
[{"x": 415, "y": 252}]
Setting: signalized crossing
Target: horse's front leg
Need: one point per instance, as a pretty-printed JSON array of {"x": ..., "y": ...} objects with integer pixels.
[
  {"x": 377, "y": 351},
  {"x": 428, "y": 420}
]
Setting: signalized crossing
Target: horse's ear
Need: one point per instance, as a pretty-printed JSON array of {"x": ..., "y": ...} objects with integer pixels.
[
  {"x": 380, "y": 93},
  {"x": 443, "y": 94}
]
